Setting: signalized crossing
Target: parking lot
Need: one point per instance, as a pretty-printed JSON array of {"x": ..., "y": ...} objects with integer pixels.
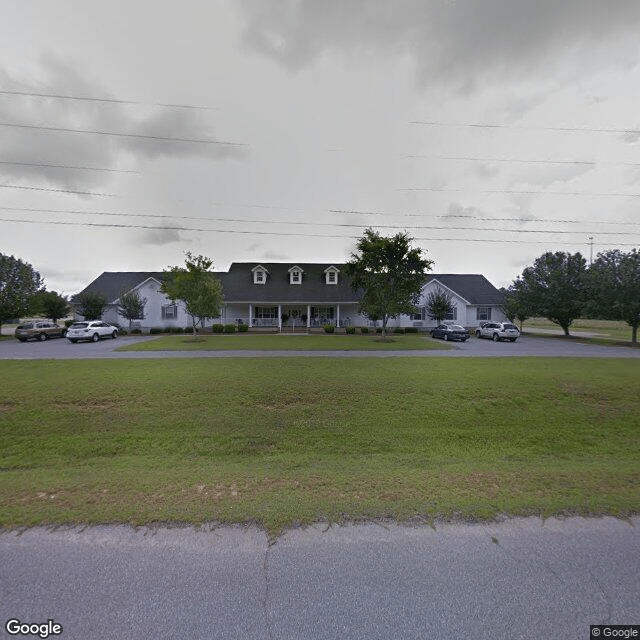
[{"x": 527, "y": 345}]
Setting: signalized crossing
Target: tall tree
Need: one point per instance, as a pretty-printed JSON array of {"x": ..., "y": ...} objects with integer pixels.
[
  {"x": 19, "y": 282},
  {"x": 614, "y": 288},
  {"x": 51, "y": 304},
  {"x": 439, "y": 304},
  {"x": 516, "y": 305},
  {"x": 131, "y": 305},
  {"x": 390, "y": 274},
  {"x": 554, "y": 287},
  {"x": 90, "y": 304},
  {"x": 196, "y": 287}
]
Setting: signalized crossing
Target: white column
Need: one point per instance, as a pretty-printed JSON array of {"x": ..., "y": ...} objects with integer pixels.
[
  {"x": 250, "y": 315},
  {"x": 308, "y": 316},
  {"x": 337, "y": 315},
  {"x": 280, "y": 317}
]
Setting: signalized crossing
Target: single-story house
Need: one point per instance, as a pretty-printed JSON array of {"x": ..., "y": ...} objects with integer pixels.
[{"x": 293, "y": 295}]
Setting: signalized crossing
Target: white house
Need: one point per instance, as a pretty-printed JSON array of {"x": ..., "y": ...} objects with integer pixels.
[{"x": 302, "y": 295}]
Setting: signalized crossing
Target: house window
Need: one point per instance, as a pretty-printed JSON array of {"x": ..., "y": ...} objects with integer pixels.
[
  {"x": 266, "y": 312},
  {"x": 169, "y": 312},
  {"x": 418, "y": 315},
  {"x": 484, "y": 313},
  {"x": 258, "y": 277},
  {"x": 452, "y": 315},
  {"x": 295, "y": 277},
  {"x": 331, "y": 275}
]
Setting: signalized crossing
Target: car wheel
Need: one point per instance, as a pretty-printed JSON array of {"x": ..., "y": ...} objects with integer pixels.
[
  {"x": 73, "y": 340},
  {"x": 478, "y": 335},
  {"x": 496, "y": 337},
  {"x": 64, "y": 334},
  {"x": 114, "y": 335},
  {"x": 42, "y": 337},
  {"x": 95, "y": 337},
  {"x": 513, "y": 339},
  {"x": 446, "y": 337},
  {"x": 22, "y": 339}
]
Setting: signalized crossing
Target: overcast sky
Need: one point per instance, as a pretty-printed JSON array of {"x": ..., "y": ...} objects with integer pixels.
[{"x": 278, "y": 130}]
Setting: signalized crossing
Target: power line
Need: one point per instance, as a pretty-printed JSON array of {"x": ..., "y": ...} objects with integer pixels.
[
  {"x": 130, "y": 214},
  {"x": 108, "y": 100},
  {"x": 478, "y": 125},
  {"x": 275, "y": 233},
  {"x": 123, "y": 135},
  {"x": 84, "y": 193},
  {"x": 523, "y": 161},
  {"x": 65, "y": 166},
  {"x": 525, "y": 192}
]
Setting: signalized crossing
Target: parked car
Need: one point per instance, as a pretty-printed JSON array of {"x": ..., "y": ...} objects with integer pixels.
[
  {"x": 450, "y": 332},
  {"x": 39, "y": 331},
  {"x": 498, "y": 331},
  {"x": 91, "y": 330}
]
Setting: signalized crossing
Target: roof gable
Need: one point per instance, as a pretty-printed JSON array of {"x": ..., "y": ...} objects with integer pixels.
[{"x": 474, "y": 288}]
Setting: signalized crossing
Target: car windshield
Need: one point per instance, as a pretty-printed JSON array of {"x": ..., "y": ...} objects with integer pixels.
[
  {"x": 80, "y": 325},
  {"x": 456, "y": 327},
  {"x": 26, "y": 325}
]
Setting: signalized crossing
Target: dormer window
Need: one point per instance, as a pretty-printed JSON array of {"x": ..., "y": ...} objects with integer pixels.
[
  {"x": 331, "y": 275},
  {"x": 259, "y": 275},
  {"x": 295, "y": 275}
]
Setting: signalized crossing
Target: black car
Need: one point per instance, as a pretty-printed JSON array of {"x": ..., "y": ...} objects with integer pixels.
[{"x": 450, "y": 332}]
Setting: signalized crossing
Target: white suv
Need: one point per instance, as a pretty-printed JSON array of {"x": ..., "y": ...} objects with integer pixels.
[
  {"x": 498, "y": 331},
  {"x": 91, "y": 330}
]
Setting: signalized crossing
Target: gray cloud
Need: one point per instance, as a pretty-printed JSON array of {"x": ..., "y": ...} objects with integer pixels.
[
  {"x": 459, "y": 43},
  {"x": 159, "y": 237},
  {"x": 24, "y": 145}
]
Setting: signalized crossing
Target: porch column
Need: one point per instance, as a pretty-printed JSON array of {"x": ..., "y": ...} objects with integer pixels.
[
  {"x": 280, "y": 317},
  {"x": 250, "y": 314},
  {"x": 308, "y": 316},
  {"x": 337, "y": 315}
]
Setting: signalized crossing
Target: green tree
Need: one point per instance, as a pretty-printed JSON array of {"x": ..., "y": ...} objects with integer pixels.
[
  {"x": 131, "y": 305},
  {"x": 439, "y": 304},
  {"x": 554, "y": 287},
  {"x": 614, "y": 288},
  {"x": 19, "y": 283},
  {"x": 389, "y": 273},
  {"x": 90, "y": 304},
  {"x": 51, "y": 304},
  {"x": 196, "y": 287},
  {"x": 516, "y": 305}
]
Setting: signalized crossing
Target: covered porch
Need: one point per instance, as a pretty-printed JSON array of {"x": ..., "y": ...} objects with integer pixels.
[{"x": 296, "y": 316}]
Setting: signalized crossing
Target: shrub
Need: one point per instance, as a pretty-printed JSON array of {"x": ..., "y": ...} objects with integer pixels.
[
  {"x": 329, "y": 328},
  {"x": 156, "y": 330},
  {"x": 364, "y": 329},
  {"x": 378, "y": 329},
  {"x": 243, "y": 328},
  {"x": 68, "y": 323},
  {"x": 350, "y": 330},
  {"x": 229, "y": 328},
  {"x": 411, "y": 329},
  {"x": 176, "y": 330},
  {"x": 398, "y": 330},
  {"x": 122, "y": 332},
  {"x": 217, "y": 328},
  {"x": 136, "y": 331}
]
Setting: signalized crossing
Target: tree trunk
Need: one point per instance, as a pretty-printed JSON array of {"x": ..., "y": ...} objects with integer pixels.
[{"x": 634, "y": 334}]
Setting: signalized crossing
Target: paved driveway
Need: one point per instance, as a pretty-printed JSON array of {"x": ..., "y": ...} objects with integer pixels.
[{"x": 525, "y": 346}]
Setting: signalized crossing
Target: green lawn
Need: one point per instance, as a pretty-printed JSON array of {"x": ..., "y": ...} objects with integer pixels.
[
  {"x": 289, "y": 440},
  {"x": 288, "y": 342},
  {"x": 605, "y": 331}
]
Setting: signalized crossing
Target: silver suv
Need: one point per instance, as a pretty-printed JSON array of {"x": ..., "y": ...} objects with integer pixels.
[{"x": 498, "y": 331}]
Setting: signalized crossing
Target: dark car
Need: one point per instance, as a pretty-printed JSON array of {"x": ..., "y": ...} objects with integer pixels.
[
  {"x": 450, "y": 332},
  {"x": 39, "y": 331}
]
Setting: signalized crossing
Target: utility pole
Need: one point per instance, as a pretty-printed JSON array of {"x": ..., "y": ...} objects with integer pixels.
[{"x": 591, "y": 250}]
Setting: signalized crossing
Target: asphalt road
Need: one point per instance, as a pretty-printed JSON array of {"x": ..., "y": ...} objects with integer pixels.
[
  {"x": 525, "y": 346},
  {"x": 523, "y": 578}
]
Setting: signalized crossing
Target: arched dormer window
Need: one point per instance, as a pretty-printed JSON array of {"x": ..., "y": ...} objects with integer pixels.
[
  {"x": 295, "y": 275},
  {"x": 259, "y": 274},
  {"x": 331, "y": 275}
]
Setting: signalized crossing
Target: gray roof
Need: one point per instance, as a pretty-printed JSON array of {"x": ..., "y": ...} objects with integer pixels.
[
  {"x": 112, "y": 283},
  {"x": 238, "y": 284},
  {"x": 474, "y": 288}
]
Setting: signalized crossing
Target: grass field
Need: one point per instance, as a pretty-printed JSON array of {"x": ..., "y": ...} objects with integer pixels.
[
  {"x": 289, "y": 342},
  {"x": 288, "y": 441},
  {"x": 604, "y": 331}
]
